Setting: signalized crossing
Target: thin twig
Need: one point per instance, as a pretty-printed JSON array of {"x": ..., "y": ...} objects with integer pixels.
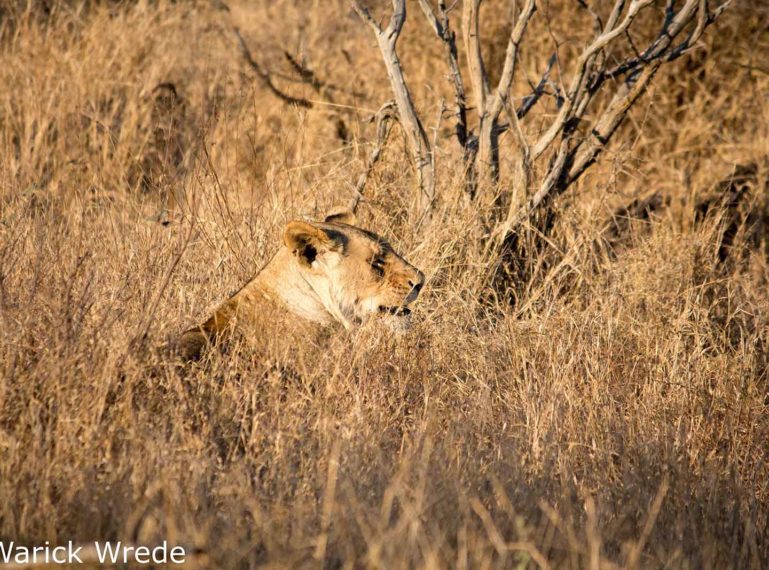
[
  {"x": 382, "y": 117},
  {"x": 262, "y": 74},
  {"x": 530, "y": 100}
]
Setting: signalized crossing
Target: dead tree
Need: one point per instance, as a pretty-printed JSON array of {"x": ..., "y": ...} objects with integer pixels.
[
  {"x": 592, "y": 103},
  {"x": 575, "y": 150}
]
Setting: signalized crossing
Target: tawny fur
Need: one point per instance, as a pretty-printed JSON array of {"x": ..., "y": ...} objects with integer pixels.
[{"x": 325, "y": 272}]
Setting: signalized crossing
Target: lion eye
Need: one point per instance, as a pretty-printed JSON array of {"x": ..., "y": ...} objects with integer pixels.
[{"x": 378, "y": 264}]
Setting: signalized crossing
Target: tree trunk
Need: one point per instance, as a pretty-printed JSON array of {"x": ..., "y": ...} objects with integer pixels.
[
  {"x": 488, "y": 152},
  {"x": 419, "y": 144}
]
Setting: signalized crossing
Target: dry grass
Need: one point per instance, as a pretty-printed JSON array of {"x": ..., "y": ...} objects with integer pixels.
[{"x": 617, "y": 415}]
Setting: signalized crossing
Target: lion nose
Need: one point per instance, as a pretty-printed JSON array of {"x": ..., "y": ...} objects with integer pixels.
[{"x": 416, "y": 283}]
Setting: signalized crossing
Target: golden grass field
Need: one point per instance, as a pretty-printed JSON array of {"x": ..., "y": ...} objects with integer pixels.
[{"x": 615, "y": 416}]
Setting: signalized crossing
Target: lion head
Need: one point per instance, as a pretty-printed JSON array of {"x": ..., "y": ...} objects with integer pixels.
[
  {"x": 330, "y": 271},
  {"x": 353, "y": 272}
]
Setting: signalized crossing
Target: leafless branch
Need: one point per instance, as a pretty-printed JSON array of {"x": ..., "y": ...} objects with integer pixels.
[
  {"x": 574, "y": 155},
  {"x": 262, "y": 74},
  {"x": 530, "y": 100},
  {"x": 584, "y": 63},
  {"x": 307, "y": 75},
  {"x": 419, "y": 144},
  {"x": 598, "y": 23},
  {"x": 489, "y": 104},
  {"x": 511, "y": 58},
  {"x": 440, "y": 25},
  {"x": 383, "y": 118}
]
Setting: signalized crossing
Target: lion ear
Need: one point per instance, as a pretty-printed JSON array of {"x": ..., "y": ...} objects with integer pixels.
[
  {"x": 341, "y": 217},
  {"x": 306, "y": 241}
]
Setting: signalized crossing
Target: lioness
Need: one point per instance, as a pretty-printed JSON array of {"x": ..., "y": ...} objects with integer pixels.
[{"x": 326, "y": 272}]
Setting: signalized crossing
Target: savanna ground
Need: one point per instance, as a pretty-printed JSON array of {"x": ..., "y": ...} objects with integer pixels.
[{"x": 614, "y": 415}]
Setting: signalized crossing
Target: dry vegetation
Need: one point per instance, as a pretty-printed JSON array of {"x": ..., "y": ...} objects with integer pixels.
[{"x": 611, "y": 412}]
